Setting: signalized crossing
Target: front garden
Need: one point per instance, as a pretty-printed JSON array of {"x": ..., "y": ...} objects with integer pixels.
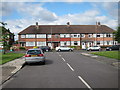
[
  {"x": 109, "y": 54},
  {"x": 4, "y": 58}
]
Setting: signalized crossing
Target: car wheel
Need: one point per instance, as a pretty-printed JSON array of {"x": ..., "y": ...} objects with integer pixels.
[
  {"x": 46, "y": 50},
  {"x": 70, "y": 50},
  {"x": 110, "y": 49},
  {"x": 59, "y": 50}
]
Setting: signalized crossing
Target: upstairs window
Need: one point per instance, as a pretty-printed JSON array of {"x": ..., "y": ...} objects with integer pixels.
[
  {"x": 22, "y": 36},
  {"x": 90, "y": 35},
  {"x": 75, "y": 35},
  {"x": 56, "y": 35},
  {"x": 49, "y": 36},
  {"x": 108, "y": 35},
  {"x": 41, "y": 35},
  {"x": 64, "y": 35},
  {"x": 98, "y": 35},
  {"x": 82, "y": 35},
  {"x": 30, "y": 35}
]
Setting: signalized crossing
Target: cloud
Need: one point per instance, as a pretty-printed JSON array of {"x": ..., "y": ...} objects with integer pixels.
[
  {"x": 36, "y": 13},
  {"x": 28, "y": 10},
  {"x": 110, "y": 7}
]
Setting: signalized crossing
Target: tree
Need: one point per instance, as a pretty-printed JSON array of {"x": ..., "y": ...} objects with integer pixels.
[
  {"x": 117, "y": 34},
  {"x": 4, "y": 37}
]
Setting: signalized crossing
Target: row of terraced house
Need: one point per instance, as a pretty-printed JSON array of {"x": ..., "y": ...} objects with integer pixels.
[{"x": 66, "y": 35}]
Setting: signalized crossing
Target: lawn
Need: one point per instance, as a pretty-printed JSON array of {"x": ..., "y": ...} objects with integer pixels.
[
  {"x": 109, "y": 54},
  {"x": 9, "y": 57}
]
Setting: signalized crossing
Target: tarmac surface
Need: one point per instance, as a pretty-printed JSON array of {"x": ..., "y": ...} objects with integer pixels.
[{"x": 12, "y": 67}]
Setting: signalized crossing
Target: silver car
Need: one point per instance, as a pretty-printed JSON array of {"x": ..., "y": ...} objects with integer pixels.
[{"x": 34, "y": 56}]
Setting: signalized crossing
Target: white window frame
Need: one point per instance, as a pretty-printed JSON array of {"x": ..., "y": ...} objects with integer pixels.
[
  {"x": 64, "y": 35},
  {"x": 56, "y": 35},
  {"x": 30, "y": 35},
  {"x": 49, "y": 36},
  {"x": 110, "y": 35},
  {"x": 41, "y": 43},
  {"x": 30, "y": 43},
  {"x": 98, "y": 34},
  {"x": 75, "y": 42},
  {"x": 62, "y": 43},
  {"x": 82, "y": 35},
  {"x": 77, "y": 35},
  {"x": 41, "y": 35},
  {"x": 22, "y": 36},
  {"x": 90, "y": 35}
]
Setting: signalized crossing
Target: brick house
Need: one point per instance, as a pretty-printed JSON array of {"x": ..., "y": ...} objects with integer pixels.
[{"x": 66, "y": 35}]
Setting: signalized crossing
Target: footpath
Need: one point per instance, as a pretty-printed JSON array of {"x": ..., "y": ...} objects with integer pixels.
[{"x": 10, "y": 68}]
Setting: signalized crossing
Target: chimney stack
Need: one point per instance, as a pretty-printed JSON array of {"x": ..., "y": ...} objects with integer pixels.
[
  {"x": 37, "y": 26},
  {"x": 98, "y": 23}
]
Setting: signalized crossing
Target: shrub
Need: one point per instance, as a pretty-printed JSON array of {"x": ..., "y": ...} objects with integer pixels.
[{"x": 22, "y": 48}]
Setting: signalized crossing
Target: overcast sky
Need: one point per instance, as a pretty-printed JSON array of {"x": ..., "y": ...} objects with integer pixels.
[{"x": 21, "y": 14}]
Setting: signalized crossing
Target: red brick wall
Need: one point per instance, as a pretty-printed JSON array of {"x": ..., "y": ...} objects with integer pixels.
[{"x": 65, "y": 39}]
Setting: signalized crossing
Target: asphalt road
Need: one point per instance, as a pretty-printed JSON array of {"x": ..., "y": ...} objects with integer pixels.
[{"x": 66, "y": 70}]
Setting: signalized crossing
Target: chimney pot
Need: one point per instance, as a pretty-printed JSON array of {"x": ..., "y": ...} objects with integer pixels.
[
  {"x": 36, "y": 23},
  {"x": 68, "y": 24},
  {"x": 99, "y": 24}
]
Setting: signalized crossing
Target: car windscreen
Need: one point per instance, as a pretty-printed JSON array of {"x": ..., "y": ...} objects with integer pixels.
[
  {"x": 95, "y": 46},
  {"x": 34, "y": 52}
]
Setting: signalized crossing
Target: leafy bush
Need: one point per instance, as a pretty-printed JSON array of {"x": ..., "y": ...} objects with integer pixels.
[{"x": 22, "y": 48}]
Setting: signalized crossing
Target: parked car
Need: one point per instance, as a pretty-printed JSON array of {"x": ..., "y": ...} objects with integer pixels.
[
  {"x": 34, "y": 56},
  {"x": 62, "y": 48},
  {"x": 45, "y": 48},
  {"x": 94, "y": 48},
  {"x": 114, "y": 47}
]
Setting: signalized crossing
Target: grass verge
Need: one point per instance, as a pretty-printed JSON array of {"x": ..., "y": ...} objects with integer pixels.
[
  {"x": 109, "y": 54},
  {"x": 9, "y": 57}
]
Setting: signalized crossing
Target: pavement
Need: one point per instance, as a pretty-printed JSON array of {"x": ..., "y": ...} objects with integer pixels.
[{"x": 12, "y": 67}]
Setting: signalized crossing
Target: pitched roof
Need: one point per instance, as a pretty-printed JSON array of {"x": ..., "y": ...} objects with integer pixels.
[{"x": 57, "y": 29}]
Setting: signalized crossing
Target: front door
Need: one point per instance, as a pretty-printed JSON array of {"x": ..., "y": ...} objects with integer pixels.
[
  {"x": 83, "y": 45},
  {"x": 56, "y": 44}
]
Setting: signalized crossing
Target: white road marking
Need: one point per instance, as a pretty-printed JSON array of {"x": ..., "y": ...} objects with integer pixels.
[
  {"x": 84, "y": 82},
  {"x": 63, "y": 59},
  {"x": 70, "y": 67}
]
